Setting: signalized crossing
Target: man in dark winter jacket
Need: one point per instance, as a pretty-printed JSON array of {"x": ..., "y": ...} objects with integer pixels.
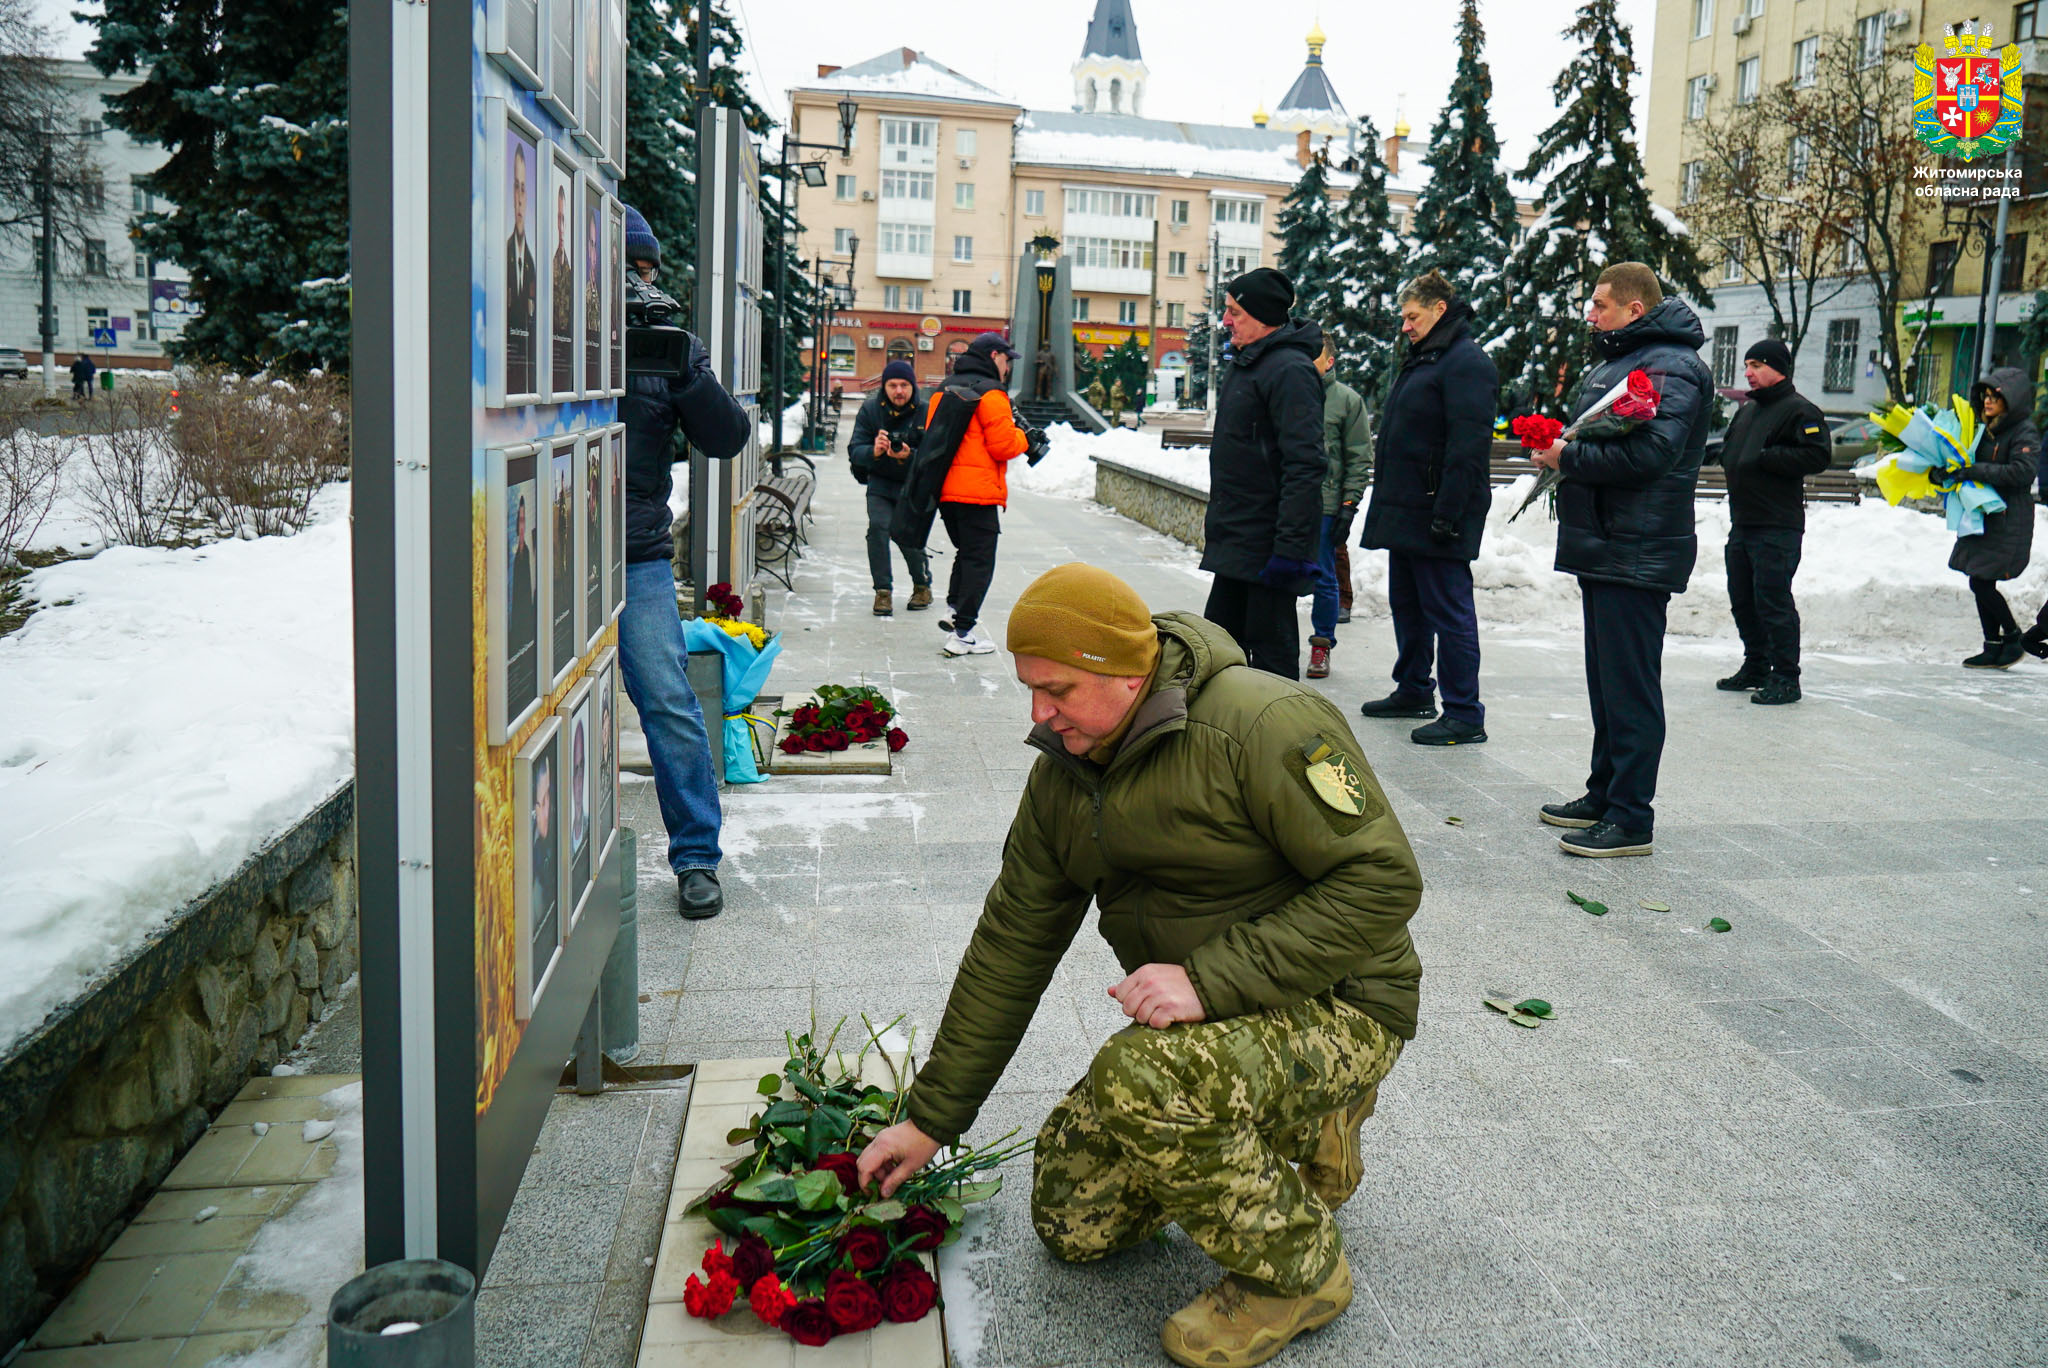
[
  {"x": 652, "y": 657},
  {"x": 1625, "y": 528},
  {"x": 1347, "y": 447},
  {"x": 1266, "y": 472},
  {"x": 1778, "y": 438},
  {"x": 82, "y": 371},
  {"x": 884, "y": 432},
  {"x": 1430, "y": 494},
  {"x": 2008, "y": 457}
]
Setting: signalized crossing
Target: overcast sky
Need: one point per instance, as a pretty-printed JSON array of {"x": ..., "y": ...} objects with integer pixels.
[{"x": 1211, "y": 61}]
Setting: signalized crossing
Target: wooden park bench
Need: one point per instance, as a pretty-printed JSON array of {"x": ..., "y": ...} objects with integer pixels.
[
  {"x": 1184, "y": 437},
  {"x": 782, "y": 507}
]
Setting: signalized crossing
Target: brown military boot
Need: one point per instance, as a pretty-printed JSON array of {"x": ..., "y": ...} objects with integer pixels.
[
  {"x": 920, "y": 597},
  {"x": 885, "y": 605},
  {"x": 1231, "y": 1326},
  {"x": 1333, "y": 1171}
]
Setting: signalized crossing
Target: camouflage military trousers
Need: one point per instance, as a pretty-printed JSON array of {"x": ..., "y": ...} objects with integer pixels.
[{"x": 1201, "y": 1125}]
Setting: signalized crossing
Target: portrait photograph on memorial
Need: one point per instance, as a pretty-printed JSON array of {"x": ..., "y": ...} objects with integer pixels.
[
  {"x": 538, "y": 885},
  {"x": 591, "y": 560},
  {"x": 512, "y": 37},
  {"x": 564, "y": 645},
  {"x": 576, "y": 755},
  {"x": 615, "y": 516},
  {"x": 604, "y": 775},
  {"x": 615, "y": 286},
  {"x": 562, "y": 309},
  {"x": 558, "y": 87},
  {"x": 590, "y": 116},
  {"x": 515, "y": 374},
  {"x": 512, "y": 616},
  {"x": 593, "y": 291}
]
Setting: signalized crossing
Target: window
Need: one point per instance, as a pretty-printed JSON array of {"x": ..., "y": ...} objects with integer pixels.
[
  {"x": 1806, "y": 62},
  {"x": 901, "y": 297},
  {"x": 1726, "y": 340},
  {"x": 1696, "y": 98},
  {"x": 1111, "y": 203},
  {"x": 842, "y": 241},
  {"x": 1852, "y": 249},
  {"x": 963, "y": 248},
  {"x": 846, "y": 187},
  {"x": 91, "y": 129},
  {"x": 1690, "y": 176},
  {"x": 138, "y": 198},
  {"x": 95, "y": 257},
  {"x": 2028, "y": 21},
  {"x": 963, "y": 301},
  {"x": 907, "y": 142},
  {"x": 1177, "y": 263},
  {"x": 1235, "y": 261},
  {"x": 1798, "y": 159},
  {"x": 1034, "y": 203},
  {"x": 906, "y": 239},
  {"x": 92, "y": 194},
  {"x": 963, "y": 142},
  {"x": 2014, "y": 277},
  {"x": 141, "y": 266},
  {"x": 94, "y": 320},
  {"x": 1080, "y": 308},
  {"x": 909, "y": 185},
  {"x": 1114, "y": 254},
  {"x": 1178, "y": 212},
  {"x": 1941, "y": 266},
  {"x": 1870, "y": 40},
  {"x": 1127, "y": 311},
  {"x": 963, "y": 195},
  {"x": 1731, "y": 269},
  {"x": 1176, "y": 315},
  {"x": 1790, "y": 245},
  {"x": 839, "y": 352},
  {"x": 1702, "y": 18},
  {"x": 1238, "y": 211},
  {"x": 1843, "y": 344},
  {"x": 1748, "y": 80}
]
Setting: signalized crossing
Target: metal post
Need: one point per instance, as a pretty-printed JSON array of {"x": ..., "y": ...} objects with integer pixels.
[
  {"x": 1215, "y": 289},
  {"x": 1152, "y": 322},
  {"x": 1994, "y": 278},
  {"x": 47, "y": 324},
  {"x": 781, "y": 279}
]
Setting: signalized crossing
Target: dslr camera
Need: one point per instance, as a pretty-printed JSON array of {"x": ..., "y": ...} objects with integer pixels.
[{"x": 656, "y": 344}]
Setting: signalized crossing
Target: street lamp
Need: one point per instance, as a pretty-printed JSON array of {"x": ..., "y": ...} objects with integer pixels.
[{"x": 814, "y": 176}]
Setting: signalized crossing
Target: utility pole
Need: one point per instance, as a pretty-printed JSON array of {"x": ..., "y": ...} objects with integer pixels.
[
  {"x": 1215, "y": 289},
  {"x": 1994, "y": 277},
  {"x": 1152, "y": 321},
  {"x": 47, "y": 324}
]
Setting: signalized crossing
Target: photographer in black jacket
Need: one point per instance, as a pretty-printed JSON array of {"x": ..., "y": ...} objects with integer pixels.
[
  {"x": 1778, "y": 438},
  {"x": 885, "y": 432}
]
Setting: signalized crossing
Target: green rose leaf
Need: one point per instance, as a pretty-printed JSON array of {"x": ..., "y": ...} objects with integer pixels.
[
  {"x": 1649, "y": 906},
  {"x": 1597, "y": 909},
  {"x": 1536, "y": 1007},
  {"x": 788, "y": 1112},
  {"x": 950, "y": 1209},
  {"x": 979, "y": 1192},
  {"x": 769, "y": 1085},
  {"x": 1719, "y": 924},
  {"x": 739, "y": 1135},
  {"x": 817, "y": 1190},
  {"x": 769, "y": 1187},
  {"x": 727, "y": 1220},
  {"x": 886, "y": 1211},
  {"x": 807, "y": 1088},
  {"x": 827, "y": 1126},
  {"x": 1454, "y": 821}
]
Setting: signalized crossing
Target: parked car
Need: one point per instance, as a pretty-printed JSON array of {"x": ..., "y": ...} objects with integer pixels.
[
  {"x": 1853, "y": 439},
  {"x": 13, "y": 362}
]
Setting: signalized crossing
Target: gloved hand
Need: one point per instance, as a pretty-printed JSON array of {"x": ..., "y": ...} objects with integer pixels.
[
  {"x": 1297, "y": 577},
  {"x": 1944, "y": 477},
  {"x": 1442, "y": 532},
  {"x": 1346, "y": 513}
]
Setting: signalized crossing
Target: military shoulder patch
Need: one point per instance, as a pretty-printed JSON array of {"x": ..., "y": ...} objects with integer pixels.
[
  {"x": 1813, "y": 432},
  {"x": 1331, "y": 778}
]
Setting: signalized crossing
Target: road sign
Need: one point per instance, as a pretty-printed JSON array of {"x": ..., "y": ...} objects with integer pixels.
[{"x": 103, "y": 337}]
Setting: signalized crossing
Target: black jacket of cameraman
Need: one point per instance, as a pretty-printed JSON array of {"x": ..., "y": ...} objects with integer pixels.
[
  {"x": 653, "y": 408},
  {"x": 903, "y": 426}
]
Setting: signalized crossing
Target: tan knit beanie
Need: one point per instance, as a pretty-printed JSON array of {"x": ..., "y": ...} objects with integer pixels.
[{"x": 1088, "y": 618}]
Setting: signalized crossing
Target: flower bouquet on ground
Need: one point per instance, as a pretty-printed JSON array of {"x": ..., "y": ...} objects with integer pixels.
[
  {"x": 1928, "y": 455},
  {"x": 748, "y": 654},
  {"x": 1620, "y": 410},
  {"x": 841, "y": 717},
  {"x": 808, "y": 1250}
]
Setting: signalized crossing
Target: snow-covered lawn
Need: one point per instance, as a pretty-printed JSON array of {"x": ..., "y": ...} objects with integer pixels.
[
  {"x": 1873, "y": 580},
  {"x": 167, "y": 712}
]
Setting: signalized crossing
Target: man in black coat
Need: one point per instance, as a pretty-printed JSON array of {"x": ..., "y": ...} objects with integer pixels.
[
  {"x": 653, "y": 659},
  {"x": 1625, "y": 528},
  {"x": 1266, "y": 472},
  {"x": 1778, "y": 438},
  {"x": 885, "y": 431},
  {"x": 1430, "y": 494}
]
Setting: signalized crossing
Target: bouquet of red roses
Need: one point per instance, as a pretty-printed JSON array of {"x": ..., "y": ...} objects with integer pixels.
[
  {"x": 841, "y": 717},
  {"x": 814, "y": 1255},
  {"x": 1619, "y": 411},
  {"x": 1536, "y": 431}
]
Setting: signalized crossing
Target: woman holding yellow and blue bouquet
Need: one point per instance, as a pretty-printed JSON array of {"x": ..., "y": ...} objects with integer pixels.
[{"x": 2007, "y": 459}]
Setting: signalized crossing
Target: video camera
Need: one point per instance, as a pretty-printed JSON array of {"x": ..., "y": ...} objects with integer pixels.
[{"x": 655, "y": 342}]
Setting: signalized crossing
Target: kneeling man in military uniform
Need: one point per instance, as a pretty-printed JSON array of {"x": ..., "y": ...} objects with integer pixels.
[{"x": 1256, "y": 890}]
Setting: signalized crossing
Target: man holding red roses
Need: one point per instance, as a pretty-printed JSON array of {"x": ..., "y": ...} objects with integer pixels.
[{"x": 1256, "y": 888}]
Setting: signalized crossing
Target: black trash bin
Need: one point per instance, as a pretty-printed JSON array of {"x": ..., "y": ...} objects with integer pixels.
[{"x": 366, "y": 1320}]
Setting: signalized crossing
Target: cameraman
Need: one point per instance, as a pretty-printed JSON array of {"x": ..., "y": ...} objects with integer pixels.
[
  {"x": 652, "y": 656},
  {"x": 884, "y": 433}
]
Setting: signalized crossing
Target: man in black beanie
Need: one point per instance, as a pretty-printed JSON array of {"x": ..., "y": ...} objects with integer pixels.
[
  {"x": 1266, "y": 471},
  {"x": 1776, "y": 440}
]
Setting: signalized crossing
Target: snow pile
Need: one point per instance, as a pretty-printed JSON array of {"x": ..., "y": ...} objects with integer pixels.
[{"x": 167, "y": 713}]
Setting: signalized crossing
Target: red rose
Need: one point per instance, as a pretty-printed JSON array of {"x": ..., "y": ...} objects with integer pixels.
[
  {"x": 716, "y": 1260},
  {"x": 844, "y": 1167},
  {"x": 1640, "y": 403},
  {"x": 835, "y": 740},
  {"x": 898, "y": 738},
  {"x": 865, "y": 1248},
  {"x": 791, "y": 745},
  {"x": 804, "y": 716},
  {"x": 926, "y": 1223},
  {"x": 770, "y": 1299},
  {"x": 752, "y": 1259},
  {"x": 808, "y": 1322},
  {"x": 814, "y": 742},
  {"x": 851, "y": 1303},
  {"x": 708, "y": 1301},
  {"x": 908, "y": 1292}
]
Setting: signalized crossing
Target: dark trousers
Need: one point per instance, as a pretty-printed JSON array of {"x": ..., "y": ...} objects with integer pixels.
[
  {"x": 882, "y": 497},
  {"x": 1436, "y": 628},
  {"x": 1761, "y": 563},
  {"x": 1992, "y": 609},
  {"x": 1625, "y": 685},
  {"x": 1262, "y": 621},
  {"x": 974, "y": 529},
  {"x": 1343, "y": 577}
]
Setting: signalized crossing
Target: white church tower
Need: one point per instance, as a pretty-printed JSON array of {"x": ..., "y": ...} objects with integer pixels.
[{"x": 1110, "y": 76}]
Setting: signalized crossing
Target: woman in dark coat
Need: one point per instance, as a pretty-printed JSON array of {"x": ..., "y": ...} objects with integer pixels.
[{"x": 2006, "y": 460}]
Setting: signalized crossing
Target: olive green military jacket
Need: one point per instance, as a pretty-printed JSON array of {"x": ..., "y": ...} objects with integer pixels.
[
  {"x": 1347, "y": 443},
  {"x": 1205, "y": 844}
]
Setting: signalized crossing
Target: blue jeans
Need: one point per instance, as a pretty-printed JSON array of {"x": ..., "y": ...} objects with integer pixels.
[
  {"x": 655, "y": 664},
  {"x": 1322, "y": 609}
]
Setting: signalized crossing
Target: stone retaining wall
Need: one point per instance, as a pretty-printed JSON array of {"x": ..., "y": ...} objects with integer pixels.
[
  {"x": 1159, "y": 502},
  {"x": 101, "y": 1101}
]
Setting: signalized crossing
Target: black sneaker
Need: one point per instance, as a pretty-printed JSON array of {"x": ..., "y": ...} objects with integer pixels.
[
  {"x": 1578, "y": 814},
  {"x": 698, "y": 895},
  {"x": 1747, "y": 678},
  {"x": 1604, "y": 840},
  {"x": 1781, "y": 689},
  {"x": 2002, "y": 654},
  {"x": 1448, "y": 731},
  {"x": 1398, "y": 704}
]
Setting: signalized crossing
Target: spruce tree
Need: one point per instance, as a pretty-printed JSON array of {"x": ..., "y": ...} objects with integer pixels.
[
  {"x": 1197, "y": 389},
  {"x": 250, "y": 102},
  {"x": 1465, "y": 216},
  {"x": 1596, "y": 211},
  {"x": 1308, "y": 234},
  {"x": 1366, "y": 266}
]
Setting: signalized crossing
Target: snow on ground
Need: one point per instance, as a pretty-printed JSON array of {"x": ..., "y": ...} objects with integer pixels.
[
  {"x": 167, "y": 713},
  {"x": 1873, "y": 579}
]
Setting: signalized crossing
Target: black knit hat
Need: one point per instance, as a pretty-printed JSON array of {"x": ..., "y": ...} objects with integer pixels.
[
  {"x": 1263, "y": 293},
  {"x": 1772, "y": 353}
]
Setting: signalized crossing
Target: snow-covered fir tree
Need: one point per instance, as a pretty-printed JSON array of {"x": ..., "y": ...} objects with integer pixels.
[
  {"x": 1197, "y": 388},
  {"x": 250, "y": 102},
  {"x": 1308, "y": 235},
  {"x": 1596, "y": 210},
  {"x": 1366, "y": 265},
  {"x": 1465, "y": 216}
]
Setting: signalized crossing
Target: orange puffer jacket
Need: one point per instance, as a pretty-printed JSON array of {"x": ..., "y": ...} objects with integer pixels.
[{"x": 991, "y": 442}]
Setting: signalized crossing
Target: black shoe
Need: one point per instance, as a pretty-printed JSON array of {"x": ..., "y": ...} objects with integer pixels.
[
  {"x": 1604, "y": 840},
  {"x": 1747, "y": 678},
  {"x": 1398, "y": 704},
  {"x": 1781, "y": 689},
  {"x": 1343, "y": 615},
  {"x": 698, "y": 895},
  {"x": 2034, "y": 641},
  {"x": 1579, "y": 813},
  {"x": 2001, "y": 654},
  {"x": 1448, "y": 731}
]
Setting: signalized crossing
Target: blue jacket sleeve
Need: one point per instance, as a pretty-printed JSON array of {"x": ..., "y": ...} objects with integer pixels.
[
  {"x": 711, "y": 419},
  {"x": 1652, "y": 450},
  {"x": 1470, "y": 384}
]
